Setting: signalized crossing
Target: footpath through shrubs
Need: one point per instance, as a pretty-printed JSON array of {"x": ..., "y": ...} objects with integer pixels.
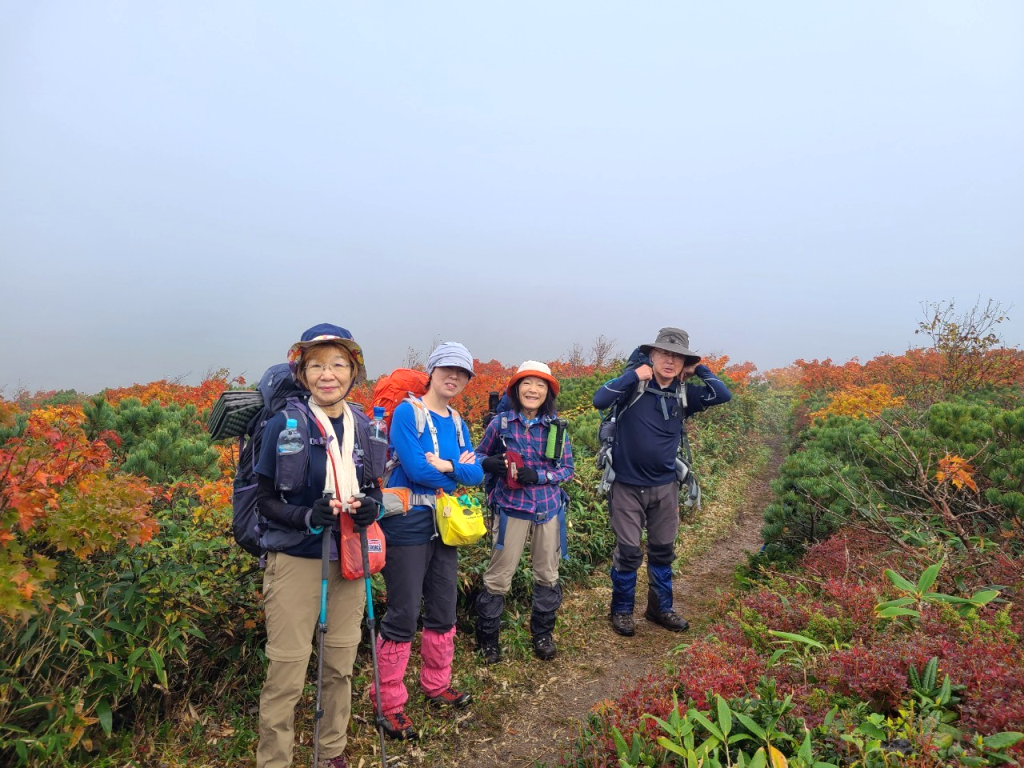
[
  {"x": 882, "y": 624},
  {"x": 131, "y": 630}
]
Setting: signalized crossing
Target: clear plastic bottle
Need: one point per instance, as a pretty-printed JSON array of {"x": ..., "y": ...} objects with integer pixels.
[
  {"x": 289, "y": 443},
  {"x": 378, "y": 427}
]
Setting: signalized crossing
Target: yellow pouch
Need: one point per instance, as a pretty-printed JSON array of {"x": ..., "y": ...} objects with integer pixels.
[{"x": 460, "y": 519}]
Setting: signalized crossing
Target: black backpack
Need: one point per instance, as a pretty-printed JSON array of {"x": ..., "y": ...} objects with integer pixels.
[{"x": 278, "y": 391}]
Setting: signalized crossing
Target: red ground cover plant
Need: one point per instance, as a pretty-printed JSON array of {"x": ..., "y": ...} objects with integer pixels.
[
  {"x": 830, "y": 595},
  {"x": 705, "y": 666}
]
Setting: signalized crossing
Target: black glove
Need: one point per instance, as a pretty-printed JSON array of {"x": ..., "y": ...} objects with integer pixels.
[
  {"x": 366, "y": 512},
  {"x": 527, "y": 476},
  {"x": 494, "y": 465},
  {"x": 323, "y": 515}
]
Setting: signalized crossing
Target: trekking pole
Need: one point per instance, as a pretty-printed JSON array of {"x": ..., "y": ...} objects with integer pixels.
[
  {"x": 365, "y": 547},
  {"x": 325, "y": 559}
]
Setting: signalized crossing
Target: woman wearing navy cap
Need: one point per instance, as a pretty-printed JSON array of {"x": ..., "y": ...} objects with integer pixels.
[{"x": 326, "y": 362}]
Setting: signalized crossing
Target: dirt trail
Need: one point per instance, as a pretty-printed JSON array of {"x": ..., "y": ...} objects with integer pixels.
[{"x": 541, "y": 722}]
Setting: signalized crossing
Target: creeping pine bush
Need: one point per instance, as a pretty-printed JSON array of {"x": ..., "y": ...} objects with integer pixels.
[
  {"x": 949, "y": 474},
  {"x": 165, "y": 443}
]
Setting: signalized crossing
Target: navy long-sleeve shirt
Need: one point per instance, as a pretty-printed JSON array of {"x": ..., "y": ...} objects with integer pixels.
[{"x": 646, "y": 441}]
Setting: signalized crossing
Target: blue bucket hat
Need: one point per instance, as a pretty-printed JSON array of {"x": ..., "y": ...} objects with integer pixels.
[{"x": 326, "y": 333}]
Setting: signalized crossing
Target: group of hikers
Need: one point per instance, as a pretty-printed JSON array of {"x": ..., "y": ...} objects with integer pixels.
[{"x": 430, "y": 453}]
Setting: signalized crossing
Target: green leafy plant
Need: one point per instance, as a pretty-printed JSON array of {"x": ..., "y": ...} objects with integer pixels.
[
  {"x": 798, "y": 650},
  {"x": 919, "y": 594}
]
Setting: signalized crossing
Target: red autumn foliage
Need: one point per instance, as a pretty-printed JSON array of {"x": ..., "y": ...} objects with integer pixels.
[
  {"x": 705, "y": 666},
  {"x": 61, "y": 487},
  {"x": 166, "y": 392}
]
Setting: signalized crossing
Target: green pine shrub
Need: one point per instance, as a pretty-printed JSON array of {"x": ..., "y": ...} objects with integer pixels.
[{"x": 164, "y": 443}]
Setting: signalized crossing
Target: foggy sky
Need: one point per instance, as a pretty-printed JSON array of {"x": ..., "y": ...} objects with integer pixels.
[{"x": 186, "y": 187}]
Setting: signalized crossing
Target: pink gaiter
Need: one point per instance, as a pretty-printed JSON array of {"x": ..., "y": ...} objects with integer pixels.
[
  {"x": 438, "y": 650},
  {"x": 392, "y": 659}
]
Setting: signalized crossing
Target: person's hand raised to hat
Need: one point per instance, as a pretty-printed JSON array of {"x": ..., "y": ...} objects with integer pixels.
[
  {"x": 644, "y": 372},
  {"x": 688, "y": 371}
]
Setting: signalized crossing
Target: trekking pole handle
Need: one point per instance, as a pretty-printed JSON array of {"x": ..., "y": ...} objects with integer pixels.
[{"x": 358, "y": 496}]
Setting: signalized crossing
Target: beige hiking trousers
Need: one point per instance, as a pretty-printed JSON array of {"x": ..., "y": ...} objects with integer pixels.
[
  {"x": 545, "y": 543},
  {"x": 291, "y": 600}
]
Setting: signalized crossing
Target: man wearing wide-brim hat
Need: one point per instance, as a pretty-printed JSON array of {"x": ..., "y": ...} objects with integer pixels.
[{"x": 652, "y": 400}]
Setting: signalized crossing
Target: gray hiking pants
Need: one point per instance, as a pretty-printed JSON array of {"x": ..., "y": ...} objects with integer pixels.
[{"x": 635, "y": 507}]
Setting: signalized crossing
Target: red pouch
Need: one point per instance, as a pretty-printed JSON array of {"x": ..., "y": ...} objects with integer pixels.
[
  {"x": 514, "y": 459},
  {"x": 352, "y": 550}
]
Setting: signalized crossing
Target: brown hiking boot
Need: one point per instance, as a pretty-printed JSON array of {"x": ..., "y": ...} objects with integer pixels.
[
  {"x": 670, "y": 620},
  {"x": 623, "y": 623}
]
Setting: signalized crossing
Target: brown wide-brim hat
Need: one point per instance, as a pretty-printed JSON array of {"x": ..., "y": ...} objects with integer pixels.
[{"x": 674, "y": 340}]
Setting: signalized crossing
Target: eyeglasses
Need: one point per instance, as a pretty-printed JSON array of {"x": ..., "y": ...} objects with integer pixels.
[
  {"x": 670, "y": 355},
  {"x": 316, "y": 369}
]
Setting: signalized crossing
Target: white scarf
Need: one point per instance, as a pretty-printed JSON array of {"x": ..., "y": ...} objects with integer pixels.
[{"x": 339, "y": 457}]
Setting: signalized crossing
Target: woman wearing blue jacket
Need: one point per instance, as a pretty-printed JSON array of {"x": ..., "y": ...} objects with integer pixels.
[{"x": 433, "y": 448}]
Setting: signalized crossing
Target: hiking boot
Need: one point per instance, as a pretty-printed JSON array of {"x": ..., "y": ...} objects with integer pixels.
[
  {"x": 544, "y": 647},
  {"x": 487, "y": 645},
  {"x": 397, "y": 726},
  {"x": 623, "y": 623},
  {"x": 449, "y": 697},
  {"x": 670, "y": 620},
  {"x": 334, "y": 762},
  {"x": 490, "y": 652}
]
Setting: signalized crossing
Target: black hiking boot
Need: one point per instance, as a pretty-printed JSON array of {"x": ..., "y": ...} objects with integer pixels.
[
  {"x": 487, "y": 645},
  {"x": 544, "y": 647},
  {"x": 623, "y": 623},
  {"x": 669, "y": 619}
]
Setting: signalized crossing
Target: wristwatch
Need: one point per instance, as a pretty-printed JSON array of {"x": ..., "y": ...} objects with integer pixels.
[{"x": 549, "y": 477}]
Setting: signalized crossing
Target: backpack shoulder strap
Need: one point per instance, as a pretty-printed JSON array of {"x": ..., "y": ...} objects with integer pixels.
[
  {"x": 419, "y": 411},
  {"x": 305, "y": 416},
  {"x": 423, "y": 420},
  {"x": 641, "y": 387},
  {"x": 457, "y": 421}
]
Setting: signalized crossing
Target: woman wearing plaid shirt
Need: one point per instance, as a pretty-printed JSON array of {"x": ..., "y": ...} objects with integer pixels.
[{"x": 535, "y": 509}]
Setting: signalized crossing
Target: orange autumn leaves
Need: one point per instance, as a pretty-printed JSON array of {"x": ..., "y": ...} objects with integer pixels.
[
  {"x": 860, "y": 401},
  {"x": 956, "y": 471},
  {"x": 59, "y": 491}
]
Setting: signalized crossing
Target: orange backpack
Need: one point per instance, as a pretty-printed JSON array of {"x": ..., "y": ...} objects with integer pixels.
[{"x": 390, "y": 390}]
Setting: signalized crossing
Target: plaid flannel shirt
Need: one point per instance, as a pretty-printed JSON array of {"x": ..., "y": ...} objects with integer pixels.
[{"x": 543, "y": 500}]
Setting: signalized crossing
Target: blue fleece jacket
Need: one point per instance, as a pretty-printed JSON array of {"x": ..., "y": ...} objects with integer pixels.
[
  {"x": 413, "y": 471},
  {"x": 646, "y": 441}
]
